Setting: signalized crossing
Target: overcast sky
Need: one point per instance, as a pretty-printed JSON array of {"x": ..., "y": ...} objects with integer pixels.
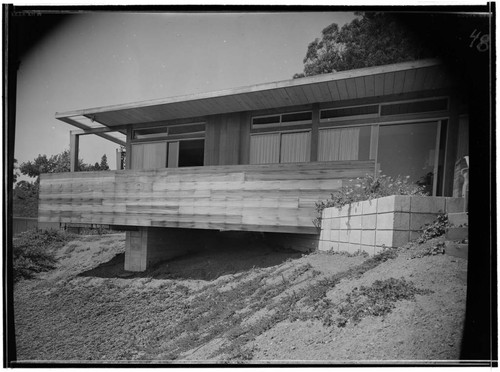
[{"x": 100, "y": 59}]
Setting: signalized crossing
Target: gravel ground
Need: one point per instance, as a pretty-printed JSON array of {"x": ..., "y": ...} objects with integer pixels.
[{"x": 242, "y": 302}]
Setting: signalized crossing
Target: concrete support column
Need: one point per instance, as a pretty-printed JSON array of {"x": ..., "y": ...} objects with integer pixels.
[{"x": 149, "y": 245}]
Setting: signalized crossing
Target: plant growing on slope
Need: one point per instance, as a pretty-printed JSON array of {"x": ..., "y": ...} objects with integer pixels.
[
  {"x": 34, "y": 251},
  {"x": 434, "y": 229},
  {"x": 377, "y": 300},
  {"x": 367, "y": 188}
]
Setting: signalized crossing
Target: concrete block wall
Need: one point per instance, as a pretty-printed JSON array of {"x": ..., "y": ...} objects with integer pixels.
[{"x": 391, "y": 221}]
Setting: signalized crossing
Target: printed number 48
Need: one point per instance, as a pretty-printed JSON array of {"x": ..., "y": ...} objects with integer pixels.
[{"x": 484, "y": 41}]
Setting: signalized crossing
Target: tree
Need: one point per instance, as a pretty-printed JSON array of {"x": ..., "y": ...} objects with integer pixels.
[
  {"x": 16, "y": 172},
  {"x": 25, "y": 195},
  {"x": 57, "y": 164},
  {"x": 104, "y": 163},
  {"x": 25, "y": 199},
  {"x": 371, "y": 39}
]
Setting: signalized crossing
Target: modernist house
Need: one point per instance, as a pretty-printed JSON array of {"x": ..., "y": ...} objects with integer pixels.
[{"x": 257, "y": 158}]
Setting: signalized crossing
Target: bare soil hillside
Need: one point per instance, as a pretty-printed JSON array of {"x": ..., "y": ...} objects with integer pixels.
[{"x": 242, "y": 302}]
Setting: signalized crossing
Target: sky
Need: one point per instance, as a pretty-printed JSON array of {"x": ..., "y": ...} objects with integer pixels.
[{"x": 99, "y": 59}]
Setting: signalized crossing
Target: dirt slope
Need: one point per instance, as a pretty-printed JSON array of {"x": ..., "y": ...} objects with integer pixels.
[{"x": 243, "y": 302}]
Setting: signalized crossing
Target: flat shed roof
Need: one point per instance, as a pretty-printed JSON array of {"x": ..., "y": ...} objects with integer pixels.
[{"x": 384, "y": 80}]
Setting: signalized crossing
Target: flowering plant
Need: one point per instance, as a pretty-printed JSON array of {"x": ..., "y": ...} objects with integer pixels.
[{"x": 368, "y": 188}]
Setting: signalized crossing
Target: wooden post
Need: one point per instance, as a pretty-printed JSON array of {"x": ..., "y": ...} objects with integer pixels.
[
  {"x": 118, "y": 159},
  {"x": 451, "y": 147},
  {"x": 128, "y": 149},
  {"x": 315, "y": 132},
  {"x": 73, "y": 151}
]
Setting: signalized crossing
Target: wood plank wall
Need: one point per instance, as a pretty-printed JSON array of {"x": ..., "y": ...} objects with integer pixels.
[
  {"x": 273, "y": 198},
  {"x": 222, "y": 139}
]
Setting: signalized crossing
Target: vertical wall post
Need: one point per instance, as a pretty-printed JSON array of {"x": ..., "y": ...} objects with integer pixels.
[
  {"x": 451, "y": 147},
  {"x": 118, "y": 159},
  {"x": 314, "y": 132},
  {"x": 128, "y": 149},
  {"x": 74, "y": 140}
]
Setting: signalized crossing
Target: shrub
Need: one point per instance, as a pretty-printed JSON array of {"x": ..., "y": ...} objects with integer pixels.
[
  {"x": 377, "y": 300},
  {"x": 368, "y": 188},
  {"x": 34, "y": 251},
  {"x": 434, "y": 229}
]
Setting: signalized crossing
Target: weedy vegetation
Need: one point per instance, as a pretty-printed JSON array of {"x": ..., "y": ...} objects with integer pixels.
[
  {"x": 367, "y": 188},
  {"x": 34, "y": 251}
]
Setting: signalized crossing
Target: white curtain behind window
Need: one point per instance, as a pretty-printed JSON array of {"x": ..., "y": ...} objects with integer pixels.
[
  {"x": 265, "y": 148},
  {"x": 338, "y": 144},
  {"x": 295, "y": 147}
]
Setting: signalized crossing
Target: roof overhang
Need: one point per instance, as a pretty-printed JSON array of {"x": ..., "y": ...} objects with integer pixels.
[{"x": 385, "y": 80}]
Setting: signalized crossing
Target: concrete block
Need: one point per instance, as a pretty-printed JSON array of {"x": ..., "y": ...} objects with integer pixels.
[
  {"x": 344, "y": 236},
  {"x": 343, "y": 247},
  {"x": 370, "y": 249},
  {"x": 353, "y": 248},
  {"x": 454, "y": 205},
  {"x": 458, "y": 219},
  {"x": 393, "y": 203},
  {"x": 344, "y": 211},
  {"x": 335, "y": 223},
  {"x": 368, "y": 237},
  {"x": 355, "y": 222},
  {"x": 369, "y": 221},
  {"x": 344, "y": 223},
  {"x": 334, "y": 246},
  {"x": 414, "y": 235},
  {"x": 355, "y": 209},
  {"x": 457, "y": 233},
  {"x": 369, "y": 206},
  {"x": 427, "y": 204},
  {"x": 377, "y": 250},
  {"x": 325, "y": 224},
  {"x": 355, "y": 237},
  {"x": 322, "y": 234},
  {"x": 391, "y": 238},
  {"x": 335, "y": 212},
  {"x": 384, "y": 237},
  {"x": 400, "y": 238},
  {"x": 327, "y": 213},
  {"x": 327, "y": 234},
  {"x": 395, "y": 221},
  {"x": 322, "y": 246},
  {"x": 334, "y": 235},
  {"x": 418, "y": 220}
]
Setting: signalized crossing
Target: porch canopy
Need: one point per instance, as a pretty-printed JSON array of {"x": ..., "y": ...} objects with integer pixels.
[{"x": 399, "y": 78}]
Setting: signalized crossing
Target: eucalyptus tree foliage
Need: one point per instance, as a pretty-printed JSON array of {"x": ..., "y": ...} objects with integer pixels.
[{"x": 371, "y": 39}]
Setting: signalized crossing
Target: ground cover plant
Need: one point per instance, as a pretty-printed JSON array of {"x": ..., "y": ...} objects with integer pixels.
[{"x": 34, "y": 251}]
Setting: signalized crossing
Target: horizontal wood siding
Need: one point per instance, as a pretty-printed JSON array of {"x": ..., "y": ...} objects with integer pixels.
[{"x": 274, "y": 198}]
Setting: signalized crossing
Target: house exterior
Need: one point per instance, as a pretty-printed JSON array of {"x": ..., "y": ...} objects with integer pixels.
[{"x": 258, "y": 158}]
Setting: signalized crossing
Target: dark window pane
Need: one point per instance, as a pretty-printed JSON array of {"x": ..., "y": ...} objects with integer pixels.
[
  {"x": 191, "y": 153},
  {"x": 299, "y": 116},
  {"x": 183, "y": 129},
  {"x": 266, "y": 120},
  {"x": 408, "y": 150},
  {"x": 350, "y": 111},
  {"x": 414, "y": 107}
]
